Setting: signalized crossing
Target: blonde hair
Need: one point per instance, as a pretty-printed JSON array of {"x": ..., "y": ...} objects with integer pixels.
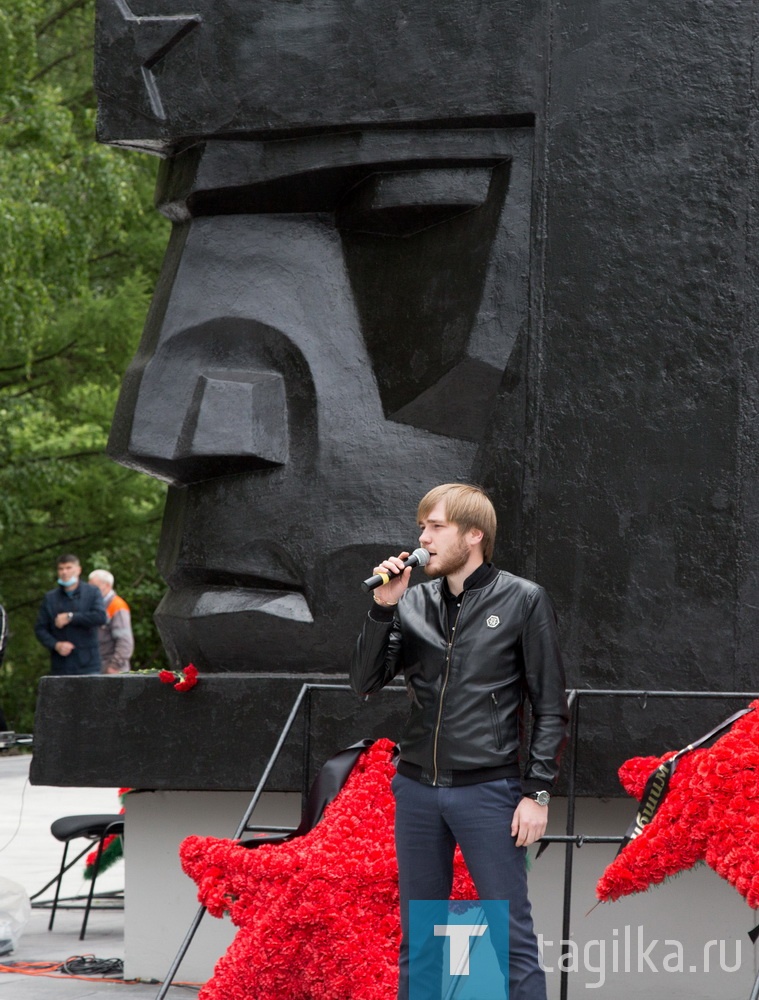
[{"x": 465, "y": 506}]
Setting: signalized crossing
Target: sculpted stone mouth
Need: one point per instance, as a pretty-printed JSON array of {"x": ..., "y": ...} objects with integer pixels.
[
  {"x": 232, "y": 580},
  {"x": 267, "y": 583},
  {"x": 265, "y": 569},
  {"x": 257, "y": 595}
]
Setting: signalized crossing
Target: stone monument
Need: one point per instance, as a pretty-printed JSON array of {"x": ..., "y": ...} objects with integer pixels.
[{"x": 505, "y": 242}]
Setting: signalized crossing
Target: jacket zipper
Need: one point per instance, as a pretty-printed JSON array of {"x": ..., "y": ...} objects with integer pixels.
[
  {"x": 448, "y": 651},
  {"x": 496, "y": 723}
]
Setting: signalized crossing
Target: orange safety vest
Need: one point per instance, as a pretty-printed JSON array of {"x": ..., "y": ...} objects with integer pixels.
[{"x": 115, "y": 604}]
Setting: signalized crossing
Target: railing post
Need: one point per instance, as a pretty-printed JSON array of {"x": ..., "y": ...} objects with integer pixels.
[
  {"x": 306, "y": 784},
  {"x": 574, "y": 698}
]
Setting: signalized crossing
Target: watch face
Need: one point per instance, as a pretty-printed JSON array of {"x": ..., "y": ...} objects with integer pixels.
[{"x": 542, "y": 798}]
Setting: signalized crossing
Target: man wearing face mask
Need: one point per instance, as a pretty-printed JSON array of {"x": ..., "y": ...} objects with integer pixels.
[{"x": 69, "y": 619}]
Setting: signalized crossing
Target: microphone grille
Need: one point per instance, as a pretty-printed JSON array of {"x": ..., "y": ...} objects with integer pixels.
[{"x": 422, "y": 556}]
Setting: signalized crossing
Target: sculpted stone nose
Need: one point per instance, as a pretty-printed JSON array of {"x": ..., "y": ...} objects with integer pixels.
[
  {"x": 237, "y": 415},
  {"x": 207, "y": 423}
]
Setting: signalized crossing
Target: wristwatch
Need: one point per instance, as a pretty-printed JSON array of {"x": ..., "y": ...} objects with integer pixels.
[{"x": 542, "y": 798}]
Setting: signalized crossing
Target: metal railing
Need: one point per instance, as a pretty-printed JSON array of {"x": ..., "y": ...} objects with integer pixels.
[{"x": 571, "y": 839}]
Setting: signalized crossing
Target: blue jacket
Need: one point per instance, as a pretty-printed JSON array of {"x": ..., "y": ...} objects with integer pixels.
[{"x": 86, "y": 603}]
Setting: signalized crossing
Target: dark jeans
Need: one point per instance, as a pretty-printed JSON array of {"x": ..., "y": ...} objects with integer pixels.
[{"x": 429, "y": 822}]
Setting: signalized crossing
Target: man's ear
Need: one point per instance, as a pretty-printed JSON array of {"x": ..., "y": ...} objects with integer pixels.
[{"x": 475, "y": 536}]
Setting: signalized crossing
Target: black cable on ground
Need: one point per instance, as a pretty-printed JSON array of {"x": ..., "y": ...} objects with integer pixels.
[
  {"x": 110, "y": 970},
  {"x": 88, "y": 965}
]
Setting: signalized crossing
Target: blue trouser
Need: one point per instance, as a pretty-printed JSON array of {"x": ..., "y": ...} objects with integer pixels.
[{"x": 429, "y": 822}]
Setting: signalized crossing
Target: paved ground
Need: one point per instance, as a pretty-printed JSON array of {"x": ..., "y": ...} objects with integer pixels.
[{"x": 29, "y": 856}]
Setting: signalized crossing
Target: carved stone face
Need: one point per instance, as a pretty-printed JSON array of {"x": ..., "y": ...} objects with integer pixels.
[{"x": 326, "y": 343}]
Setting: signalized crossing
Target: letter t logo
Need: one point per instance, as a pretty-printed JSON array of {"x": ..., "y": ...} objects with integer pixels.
[{"x": 459, "y": 935}]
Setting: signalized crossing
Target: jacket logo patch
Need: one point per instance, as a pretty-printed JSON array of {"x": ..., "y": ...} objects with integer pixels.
[{"x": 492, "y": 621}]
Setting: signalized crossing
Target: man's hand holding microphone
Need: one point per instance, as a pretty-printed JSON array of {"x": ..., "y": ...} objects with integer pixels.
[{"x": 391, "y": 577}]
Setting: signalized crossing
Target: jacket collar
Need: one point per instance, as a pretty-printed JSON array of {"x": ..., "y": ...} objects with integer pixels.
[{"x": 482, "y": 576}]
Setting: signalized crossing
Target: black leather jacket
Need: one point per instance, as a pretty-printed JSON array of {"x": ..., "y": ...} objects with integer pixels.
[{"x": 467, "y": 695}]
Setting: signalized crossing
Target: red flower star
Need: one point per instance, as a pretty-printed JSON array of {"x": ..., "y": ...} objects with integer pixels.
[
  {"x": 709, "y": 813},
  {"x": 318, "y": 915}
]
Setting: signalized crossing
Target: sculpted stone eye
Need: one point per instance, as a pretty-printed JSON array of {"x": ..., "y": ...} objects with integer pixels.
[
  {"x": 421, "y": 247},
  {"x": 405, "y": 202}
]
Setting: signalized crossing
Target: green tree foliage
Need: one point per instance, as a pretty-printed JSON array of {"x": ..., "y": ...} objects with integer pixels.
[{"x": 80, "y": 247}]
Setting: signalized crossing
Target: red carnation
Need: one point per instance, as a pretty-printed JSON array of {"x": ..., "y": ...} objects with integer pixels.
[{"x": 182, "y": 680}]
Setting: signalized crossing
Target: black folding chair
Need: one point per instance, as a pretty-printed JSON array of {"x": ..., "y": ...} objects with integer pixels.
[
  {"x": 325, "y": 788},
  {"x": 91, "y": 828}
]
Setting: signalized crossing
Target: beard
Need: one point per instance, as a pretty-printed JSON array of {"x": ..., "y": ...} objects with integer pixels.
[{"x": 454, "y": 560}]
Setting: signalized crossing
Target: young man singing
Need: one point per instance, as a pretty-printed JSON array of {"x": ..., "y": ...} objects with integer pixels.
[{"x": 472, "y": 643}]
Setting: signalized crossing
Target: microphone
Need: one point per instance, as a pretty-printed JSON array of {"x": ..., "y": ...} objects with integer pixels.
[{"x": 419, "y": 557}]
